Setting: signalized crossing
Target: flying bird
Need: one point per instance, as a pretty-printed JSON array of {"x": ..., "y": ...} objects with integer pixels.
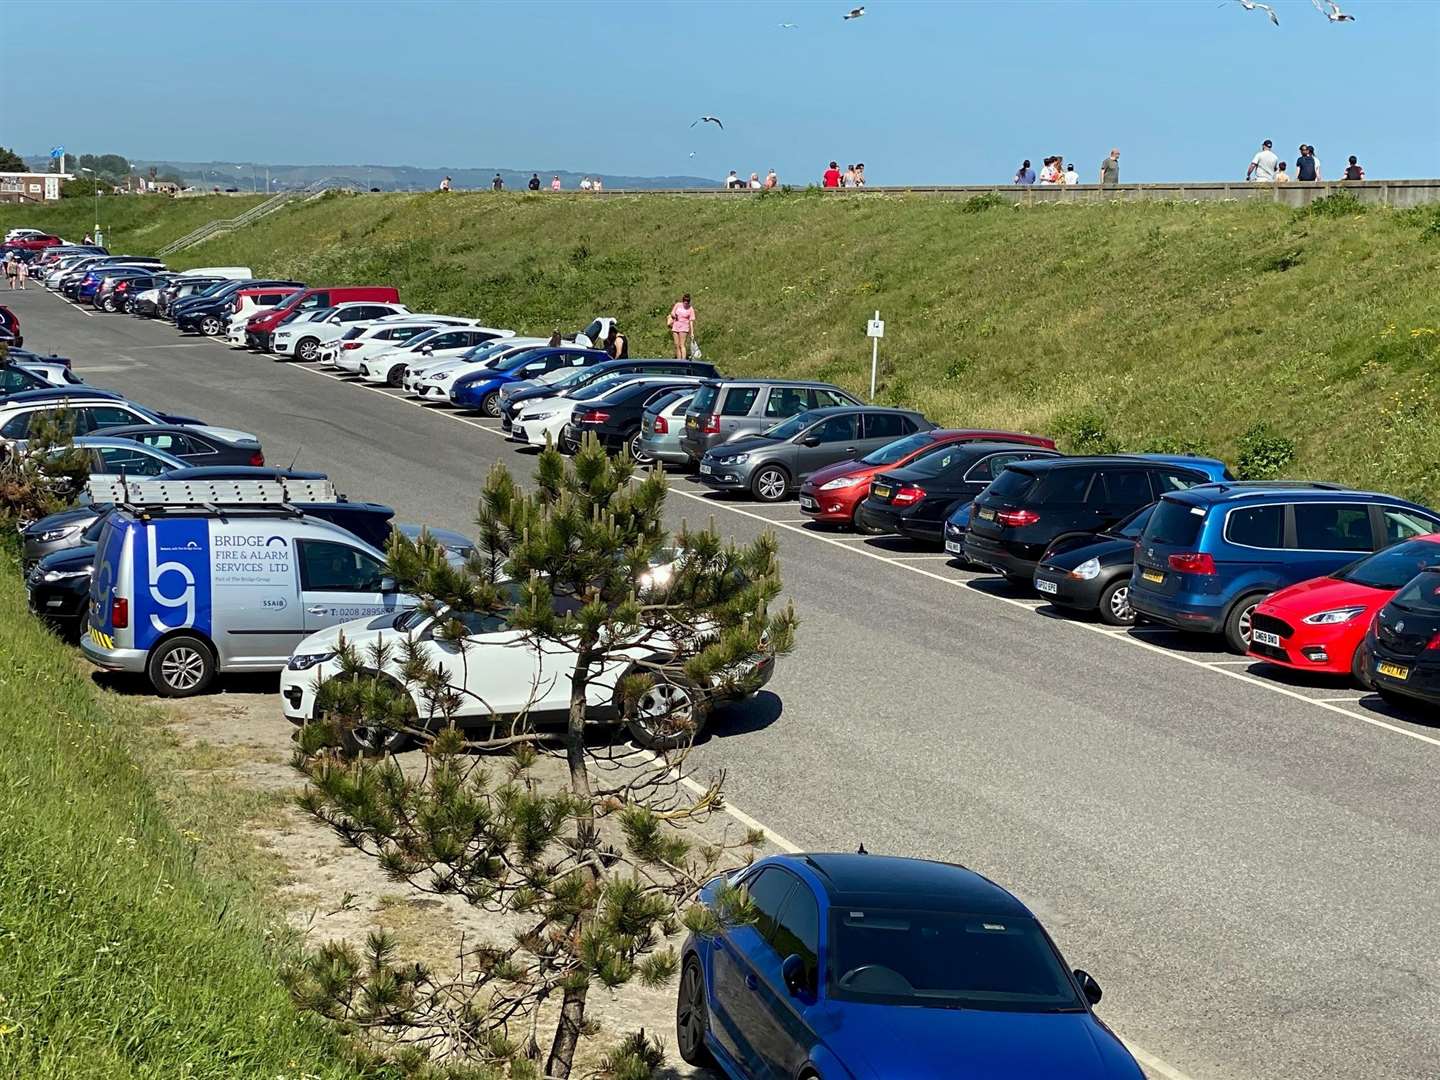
[
  {"x": 709, "y": 120},
  {"x": 855, "y": 13},
  {"x": 1251, "y": 5},
  {"x": 1334, "y": 14},
  {"x": 789, "y": 26}
]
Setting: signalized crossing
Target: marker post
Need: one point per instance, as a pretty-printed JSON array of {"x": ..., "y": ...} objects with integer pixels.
[{"x": 874, "y": 330}]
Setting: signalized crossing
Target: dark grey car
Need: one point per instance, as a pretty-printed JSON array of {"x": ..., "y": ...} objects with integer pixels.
[
  {"x": 774, "y": 463},
  {"x": 726, "y": 409}
]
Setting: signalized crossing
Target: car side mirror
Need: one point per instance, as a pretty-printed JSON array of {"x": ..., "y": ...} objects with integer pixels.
[
  {"x": 427, "y": 349},
  {"x": 388, "y": 584},
  {"x": 810, "y": 440},
  {"x": 1088, "y": 986},
  {"x": 792, "y": 972}
]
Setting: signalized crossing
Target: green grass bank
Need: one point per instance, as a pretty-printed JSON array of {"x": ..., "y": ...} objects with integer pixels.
[
  {"x": 133, "y": 939},
  {"x": 1246, "y": 330}
]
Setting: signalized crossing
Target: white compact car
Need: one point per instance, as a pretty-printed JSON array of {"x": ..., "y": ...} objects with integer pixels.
[
  {"x": 304, "y": 337},
  {"x": 377, "y": 335},
  {"x": 388, "y": 368}
]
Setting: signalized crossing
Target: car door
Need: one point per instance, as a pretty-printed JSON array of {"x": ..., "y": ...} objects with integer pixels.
[
  {"x": 131, "y": 461},
  {"x": 735, "y": 412},
  {"x": 499, "y": 670},
  {"x": 878, "y": 429},
  {"x": 339, "y": 582},
  {"x": 783, "y": 1035},
  {"x": 88, "y": 418},
  {"x": 836, "y": 438},
  {"x": 736, "y": 1005},
  {"x": 1326, "y": 536}
]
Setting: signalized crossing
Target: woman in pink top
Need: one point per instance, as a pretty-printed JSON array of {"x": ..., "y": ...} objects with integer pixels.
[{"x": 682, "y": 325}]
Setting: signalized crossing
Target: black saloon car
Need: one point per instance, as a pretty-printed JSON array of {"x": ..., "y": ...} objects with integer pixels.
[
  {"x": 196, "y": 446},
  {"x": 615, "y": 418},
  {"x": 1091, "y": 571},
  {"x": 915, "y": 500},
  {"x": 1400, "y": 656}
]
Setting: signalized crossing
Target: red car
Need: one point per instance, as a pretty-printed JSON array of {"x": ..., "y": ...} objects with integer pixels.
[
  {"x": 10, "y": 323},
  {"x": 833, "y": 494},
  {"x": 1318, "y": 624},
  {"x": 32, "y": 243}
]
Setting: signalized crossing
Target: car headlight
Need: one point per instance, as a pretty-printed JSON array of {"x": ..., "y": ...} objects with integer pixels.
[
  {"x": 842, "y": 482},
  {"x": 66, "y": 575},
  {"x": 733, "y": 459},
  {"x": 1088, "y": 570},
  {"x": 1333, "y": 617},
  {"x": 49, "y": 536},
  {"x": 305, "y": 661},
  {"x": 441, "y": 376}
]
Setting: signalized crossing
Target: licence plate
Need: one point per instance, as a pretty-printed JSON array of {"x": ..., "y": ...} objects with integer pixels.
[
  {"x": 1395, "y": 671},
  {"x": 881, "y": 491},
  {"x": 807, "y": 503},
  {"x": 954, "y": 547},
  {"x": 1264, "y": 637},
  {"x": 706, "y": 470},
  {"x": 1041, "y": 585},
  {"x": 691, "y": 422},
  {"x": 1152, "y": 575},
  {"x": 985, "y": 515},
  {"x": 518, "y": 432}
]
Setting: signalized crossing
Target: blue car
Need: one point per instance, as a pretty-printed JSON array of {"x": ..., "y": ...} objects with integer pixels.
[
  {"x": 481, "y": 389},
  {"x": 875, "y": 968},
  {"x": 1210, "y": 554}
]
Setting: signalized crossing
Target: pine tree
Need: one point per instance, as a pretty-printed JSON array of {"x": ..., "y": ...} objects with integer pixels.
[{"x": 584, "y": 568}]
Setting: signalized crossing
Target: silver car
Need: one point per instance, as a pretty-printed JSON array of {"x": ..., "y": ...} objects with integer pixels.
[
  {"x": 661, "y": 426},
  {"x": 726, "y": 409}
]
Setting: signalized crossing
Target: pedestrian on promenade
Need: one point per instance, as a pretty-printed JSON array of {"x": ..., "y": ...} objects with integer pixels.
[
  {"x": 859, "y": 174},
  {"x": 1049, "y": 171},
  {"x": 22, "y": 272},
  {"x": 1071, "y": 176},
  {"x": 1110, "y": 170},
  {"x": 1281, "y": 176},
  {"x": 754, "y": 181},
  {"x": 682, "y": 326},
  {"x": 1307, "y": 168},
  {"x": 848, "y": 179},
  {"x": 445, "y": 184},
  {"x": 1025, "y": 174},
  {"x": 733, "y": 181},
  {"x": 1262, "y": 165},
  {"x": 832, "y": 176},
  {"x": 555, "y": 184},
  {"x": 585, "y": 184},
  {"x": 10, "y": 270},
  {"x": 771, "y": 179},
  {"x": 497, "y": 184},
  {"x": 1353, "y": 171},
  {"x": 596, "y": 184},
  {"x": 534, "y": 182}
]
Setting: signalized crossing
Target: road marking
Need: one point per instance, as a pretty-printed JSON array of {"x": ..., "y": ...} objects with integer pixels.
[
  {"x": 182, "y": 345},
  {"x": 1221, "y": 663},
  {"x": 1152, "y": 1063},
  {"x": 920, "y": 558},
  {"x": 1352, "y": 700}
]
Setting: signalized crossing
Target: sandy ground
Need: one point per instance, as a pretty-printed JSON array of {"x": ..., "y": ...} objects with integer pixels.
[{"x": 329, "y": 891}]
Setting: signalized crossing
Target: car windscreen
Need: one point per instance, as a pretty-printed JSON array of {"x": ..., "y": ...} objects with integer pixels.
[
  {"x": 1175, "y": 523},
  {"x": 1392, "y": 567},
  {"x": 515, "y": 360},
  {"x": 942, "y": 461},
  {"x": 895, "y": 451},
  {"x": 788, "y": 429},
  {"x": 556, "y": 375},
  {"x": 420, "y": 339},
  {"x": 601, "y": 387},
  {"x": 1421, "y": 595},
  {"x": 1134, "y": 525},
  {"x": 661, "y": 402},
  {"x": 484, "y": 351},
  {"x": 1012, "y": 484},
  {"x": 704, "y": 400},
  {"x": 92, "y": 531},
  {"x": 946, "y": 959}
]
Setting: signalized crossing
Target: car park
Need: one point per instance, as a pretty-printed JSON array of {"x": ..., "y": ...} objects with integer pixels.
[
  {"x": 480, "y": 389},
  {"x": 378, "y": 335},
  {"x": 1319, "y": 624},
  {"x": 832, "y": 495},
  {"x": 1209, "y": 555},
  {"x": 772, "y": 464},
  {"x": 516, "y": 397},
  {"x": 661, "y": 423},
  {"x": 872, "y": 966},
  {"x": 196, "y": 445},
  {"x": 1400, "y": 654},
  {"x": 246, "y": 304},
  {"x": 914, "y": 500},
  {"x": 1032, "y": 504},
  {"x": 727, "y": 409},
  {"x": 259, "y": 330},
  {"x": 614, "y": 419},
  {"x": 302, "y": 338}
]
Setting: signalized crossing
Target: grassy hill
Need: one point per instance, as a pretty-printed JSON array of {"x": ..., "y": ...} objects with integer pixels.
[{"x": 1247, "y": 330}]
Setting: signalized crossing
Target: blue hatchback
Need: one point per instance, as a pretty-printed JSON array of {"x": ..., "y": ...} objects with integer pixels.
[
  {"x": 1210, "y": 554},
  {"x": 875, "y": 968},
  {"x": 481, "y": 389}
]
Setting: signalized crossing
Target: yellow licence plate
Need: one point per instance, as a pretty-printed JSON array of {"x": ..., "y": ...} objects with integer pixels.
[
  {"x": 1152, "y": 575},
  {"x": 880, "y": 491},
  {"x": 1395, "y": 671},
  {"x": 985, "y": 515}
]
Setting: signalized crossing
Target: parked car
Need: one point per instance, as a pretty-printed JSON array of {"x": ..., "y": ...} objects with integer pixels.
[
  {"x": 195, "y": 445},
  {"x": 833, "y": 494},
  {"x": 615, "y": 418},
  {"x": 915, "y": 499},
  {"x": 119, "y": 293},
  {"x": 389, "y": 368},
  {"x": 32, "y": 242},
  {"x": 727, "y": 409},
  {"x": 481, "y": 389},
  {"x": 1319, "y": 624},
  {"x": 517, "y": 396},
  {"x": 1209, "y": 555},
  {"x": 430, "y": 372},
  {"x": 86, "y": 409},
  {"x": 10, "y": 322},
  {"x": 15, "y": 378},
  {"x": 207, "y": 312},
  {"x": 661, "y": 423},
  {"x": 301, "y": 339},
  {"x": 1032, "y": 504},
  {"x": 366, "y": 339},
  {"x": 544, "y": 420},
  {"x": 245, "y": 305},
  {"x": 771, "y": 464},
  {"x": 260, "y": 329},
  {"x": 1400, "y": 654},
  {"x": 1091, "y": 571},
  {"x": 117, "y": 456},
  {"x": 873, "y": 966},
  {"x": 58, "y": 585}
]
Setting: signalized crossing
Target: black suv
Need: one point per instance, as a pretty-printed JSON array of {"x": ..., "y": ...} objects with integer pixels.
[
  {"x": 208, "y": 313},
  {"x": 615, "y": 418},
  {"x": 1032, "y": 504}
]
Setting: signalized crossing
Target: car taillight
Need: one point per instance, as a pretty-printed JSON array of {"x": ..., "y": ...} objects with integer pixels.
[
  {"x": 122, "y": 286},
  {"x": 593, "y": 416},
  {"x": 119, "y": 613},
  {"x": 662, "y": 426},
  {"x": 710, "y": 424},
  {"x": 1192, "y": 562},
  {"x": 1016, "y": 518},
  {"x": 257, "y": 459},
  {"x": 907, "y": 494},
  {"x": 350, "y": 345}
]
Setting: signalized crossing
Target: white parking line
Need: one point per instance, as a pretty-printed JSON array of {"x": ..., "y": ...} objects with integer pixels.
[{"x": 919, "y": 558}]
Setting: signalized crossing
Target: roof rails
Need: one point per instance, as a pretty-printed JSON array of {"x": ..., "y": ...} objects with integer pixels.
[
  {"x": 1279, "y": 485},
  {"x": 209, "y": 493}
]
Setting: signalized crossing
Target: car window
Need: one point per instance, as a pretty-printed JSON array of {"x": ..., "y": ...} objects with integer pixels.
[
  {"x": 1065, "y": 486},
  {"x": 1422, "y": 594},
  {"x": 768, "y": 890},
  {"x": 132, "y": 462},
  {"x": 98, "y": 416},
  {"x": 994, "y": 465},
  {"x": 786, "y": 401},
  {"x": 939, "y": 462},
  {"x": 1127, "y": 487},
  {"x": 338, "y": 567},
  {"x": 825, "y": 397},
  {"x": 835, "y": 429},
  {"x": 885, "y": 426},
  {"x": 797, "y": 932},
  {"x": 20, "y": 379},
  {"x": 1392, "y": 567},
  {"x": 16, "y": 426},
  {"x": 1402, "y": 524},
  {"x": 1174, "y": 481},
  {"x": 1255, "y": 526},
  {"x": 1332, "y": 527},
  {"x": 738, "y": 400}
]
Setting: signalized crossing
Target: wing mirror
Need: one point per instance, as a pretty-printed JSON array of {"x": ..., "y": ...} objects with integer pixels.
[
  {"x": 792, "y": 971},
  {"x": 810, "y": 440},
  {"x": 388, "y": 585},
  {"x": 1088, "y": 986}
]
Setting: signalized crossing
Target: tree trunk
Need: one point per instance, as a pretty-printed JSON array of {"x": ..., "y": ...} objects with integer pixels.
[
  {"x": 567, "y": 1032},
  {"x": 575, "y": 729}
]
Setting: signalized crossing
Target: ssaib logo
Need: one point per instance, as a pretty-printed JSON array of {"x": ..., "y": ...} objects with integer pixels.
[{"x": 156, "y": 572}]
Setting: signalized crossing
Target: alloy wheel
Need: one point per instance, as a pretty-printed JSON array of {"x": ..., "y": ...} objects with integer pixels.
[
  {"x": 1243, "y": 623},
  {"x": 1120, "y": 604},
  {"x": 690, "y": 1014},
  {"x": 183, "y": 668},
  {"x": 307, "y": 349},
  {"x": 637, "y": 454},
  {"x": 664, "y": 710},
  {"x": 770, "y": 485}
]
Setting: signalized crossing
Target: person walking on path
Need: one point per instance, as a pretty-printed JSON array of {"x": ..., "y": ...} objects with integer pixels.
[
  {"x": 1110, "y": 170},
  {"x": 1281, "y": 176},
  {"x": 22, "y": 272},
  {"x": 1306, "y": 168},
  {"x": 1262, "y": 165},
  {"x": 1025, "y": 174},
  {"x": 555, "y": 184},
  {"x": 682, "y": 326},
  {"x": 534, "y": 182},
  {"x": 832, "y": 176},
  {"x": 1353, "y": 171},
  {"x": 497, "y": 184},
  {"x": 771, "y": 180},
  {"x": 10, "y": 268}
]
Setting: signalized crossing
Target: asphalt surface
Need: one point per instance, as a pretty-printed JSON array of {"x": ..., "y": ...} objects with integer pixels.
[{"x": 1248, "y": 864}]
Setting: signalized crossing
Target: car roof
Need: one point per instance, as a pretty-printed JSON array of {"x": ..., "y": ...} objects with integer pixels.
[
  {"x": 120, "y": 431},
  {"x": 62, "y": 393},
  {"x": 822, "y": 411},
  {"x": 981, "y": 447},
  {"x": 1096, "y": 461},
  {"x": 1262, "y": 490},
  {"x": 808, "y": 383},
  {"x": 861, "y": 880}
]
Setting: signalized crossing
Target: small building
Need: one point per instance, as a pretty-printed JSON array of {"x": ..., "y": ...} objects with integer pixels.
[{"x": 27, "y": 187}]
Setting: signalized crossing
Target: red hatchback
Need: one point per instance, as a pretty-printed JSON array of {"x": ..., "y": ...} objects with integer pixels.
[
  {"x": 833, "y": 494},
  {"x": 32, "y": 242},
  {"x": 1318, "y": 624}
]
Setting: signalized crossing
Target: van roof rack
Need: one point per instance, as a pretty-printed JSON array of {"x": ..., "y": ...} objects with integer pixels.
[{"x": 209, "y": 493}]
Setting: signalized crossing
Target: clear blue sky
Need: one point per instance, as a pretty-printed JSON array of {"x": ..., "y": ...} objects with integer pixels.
[{"x": 949, "y": 92}]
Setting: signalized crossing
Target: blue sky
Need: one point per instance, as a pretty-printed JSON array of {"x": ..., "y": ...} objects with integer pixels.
[{"x": 922, "y": 92}]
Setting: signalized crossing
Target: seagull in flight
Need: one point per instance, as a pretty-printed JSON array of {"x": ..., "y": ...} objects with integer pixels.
[
  {"x": 1251, "y": 5},
  {"x": 1334, "y": 14},
  {"x": 789, "y": 26},
  {"x": 855, "y": 13},
  {"x": 709, "y": 120}
]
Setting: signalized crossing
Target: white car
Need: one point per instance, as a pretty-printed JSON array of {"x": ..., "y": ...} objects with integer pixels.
[
  {"x": 377, "y": 335},
  {"x": 388, "y": 368},
  {"x": 542, "y": 419},
  {"x": 302, "y": 338},
  {"x": 432, "y": 380},
  {"x": 499, "y": 673}
]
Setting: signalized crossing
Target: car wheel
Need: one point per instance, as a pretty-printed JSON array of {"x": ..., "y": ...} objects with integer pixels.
[
  {"x": 108, "y": 305},
  {"x": 180, "y": 667},
  {"x": 1237, "y": 623},
  {"x": 770, "y": 484},
  {"x": 307, "y": 349},
  {"x": 1115, "y": 609},
  {"x": 669, "y": 715},
  {"x": 1357, "y": 669},
  {"x": 637, "y": 452},
  {"x": 395, "y": 376},
  {"x": 490, "y": 406},
  {"x": 692, "y": 1016},
  {"x": 211, "y": 326}
]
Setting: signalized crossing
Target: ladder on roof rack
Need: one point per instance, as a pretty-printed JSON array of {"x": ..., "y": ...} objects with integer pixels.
[{"x": 155, "y": 492}]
